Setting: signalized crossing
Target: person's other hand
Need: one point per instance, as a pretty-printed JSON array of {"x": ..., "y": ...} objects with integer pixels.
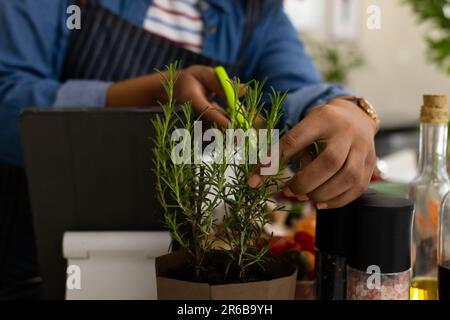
[
  {"x": 342, "y": 171},
  {"x": 199, "y": 84}
]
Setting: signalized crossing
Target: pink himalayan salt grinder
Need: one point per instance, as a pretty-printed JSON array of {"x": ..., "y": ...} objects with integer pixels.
[{"x": 379, "y": 255}]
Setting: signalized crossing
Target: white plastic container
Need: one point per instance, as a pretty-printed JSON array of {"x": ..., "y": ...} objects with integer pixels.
[{"x": 113, "y": 265}]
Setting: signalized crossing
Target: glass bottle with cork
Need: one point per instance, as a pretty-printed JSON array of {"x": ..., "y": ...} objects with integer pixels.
[{"x": 427, "y": 191}]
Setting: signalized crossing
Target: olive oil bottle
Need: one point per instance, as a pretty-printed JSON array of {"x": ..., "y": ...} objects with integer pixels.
[
  {"x": 427, "y": 191},
  {"x": 424, "y": 288}
]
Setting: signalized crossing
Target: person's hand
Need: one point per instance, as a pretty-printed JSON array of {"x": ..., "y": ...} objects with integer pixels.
[
  {"x": 342, "y": 171},
  {"x": 199, "y": 84}
]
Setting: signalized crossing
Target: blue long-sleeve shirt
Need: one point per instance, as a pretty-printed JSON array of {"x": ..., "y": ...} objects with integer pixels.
[{"x": 34, "y": 39}]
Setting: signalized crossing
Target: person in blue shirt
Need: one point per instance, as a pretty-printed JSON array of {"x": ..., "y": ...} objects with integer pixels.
[{"x": 110, "y": 62}]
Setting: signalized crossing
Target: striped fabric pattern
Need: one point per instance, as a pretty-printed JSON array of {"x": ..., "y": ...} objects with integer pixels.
[
  {"x": 109, "y": 48},
  {"x": 178, "y": 21}
]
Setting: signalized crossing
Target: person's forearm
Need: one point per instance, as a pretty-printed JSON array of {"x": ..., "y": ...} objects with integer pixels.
[{"x": 145, "y": 91}]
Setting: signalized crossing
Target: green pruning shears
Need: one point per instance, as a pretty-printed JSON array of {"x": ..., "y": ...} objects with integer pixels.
[{"x": 235, "y": 108}]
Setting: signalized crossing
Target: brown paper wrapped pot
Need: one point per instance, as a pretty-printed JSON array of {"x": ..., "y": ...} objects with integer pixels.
[{"x": 282, "y": 288}]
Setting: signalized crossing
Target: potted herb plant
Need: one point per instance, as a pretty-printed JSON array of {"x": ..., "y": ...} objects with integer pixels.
[{"x": 218, "y": 259}]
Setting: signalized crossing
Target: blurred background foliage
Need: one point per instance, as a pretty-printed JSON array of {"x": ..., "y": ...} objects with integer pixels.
[
  {"x": 335, "y": 61},
  {"x": 436, "y": 14}
]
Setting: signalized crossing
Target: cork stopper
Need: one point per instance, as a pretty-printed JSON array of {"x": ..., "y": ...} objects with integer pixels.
[{"x": 434, "y": 109}]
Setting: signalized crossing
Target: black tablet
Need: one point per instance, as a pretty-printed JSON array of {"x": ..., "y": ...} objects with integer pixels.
[{"x": 87, "y": 170}]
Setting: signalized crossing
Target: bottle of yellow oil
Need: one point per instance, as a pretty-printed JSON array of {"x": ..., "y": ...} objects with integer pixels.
[
  {"x": 427, "y": 191},
  {"x": 423, "y": 288}
]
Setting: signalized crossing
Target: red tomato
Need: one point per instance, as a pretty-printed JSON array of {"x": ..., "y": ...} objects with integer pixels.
[
  {"x": 278, "y": 245},
  {"x": 292, "y": 245},
  {"x": 305, "y": 240}
]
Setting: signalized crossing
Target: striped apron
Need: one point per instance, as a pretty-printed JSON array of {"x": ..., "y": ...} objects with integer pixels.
[{"x": 106, "y": 48}]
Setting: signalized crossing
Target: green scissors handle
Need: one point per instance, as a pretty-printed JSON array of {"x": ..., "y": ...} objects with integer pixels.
[{"x": 235, "y": 108}]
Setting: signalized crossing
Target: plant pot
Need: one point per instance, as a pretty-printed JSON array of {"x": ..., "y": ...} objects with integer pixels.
[{"x": 280, "y": 288}]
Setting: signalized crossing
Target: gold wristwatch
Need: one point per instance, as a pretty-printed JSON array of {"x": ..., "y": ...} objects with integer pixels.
[{"x": 366, "y": 106}]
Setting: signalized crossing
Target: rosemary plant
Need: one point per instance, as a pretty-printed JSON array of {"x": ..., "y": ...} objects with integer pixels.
[
  {"x": 246, "y": 210},
  {"x": 189, "y": 192}
]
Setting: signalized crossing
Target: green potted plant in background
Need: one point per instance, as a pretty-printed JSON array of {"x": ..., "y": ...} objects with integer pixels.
[
  {"x": 239, "y": 267},
  {"x": 437, "y": 14},
  {"x": 335, "y": 61}
]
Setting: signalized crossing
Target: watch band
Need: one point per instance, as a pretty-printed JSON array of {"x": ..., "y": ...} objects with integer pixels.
[{"x": 366, "y": 106}]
